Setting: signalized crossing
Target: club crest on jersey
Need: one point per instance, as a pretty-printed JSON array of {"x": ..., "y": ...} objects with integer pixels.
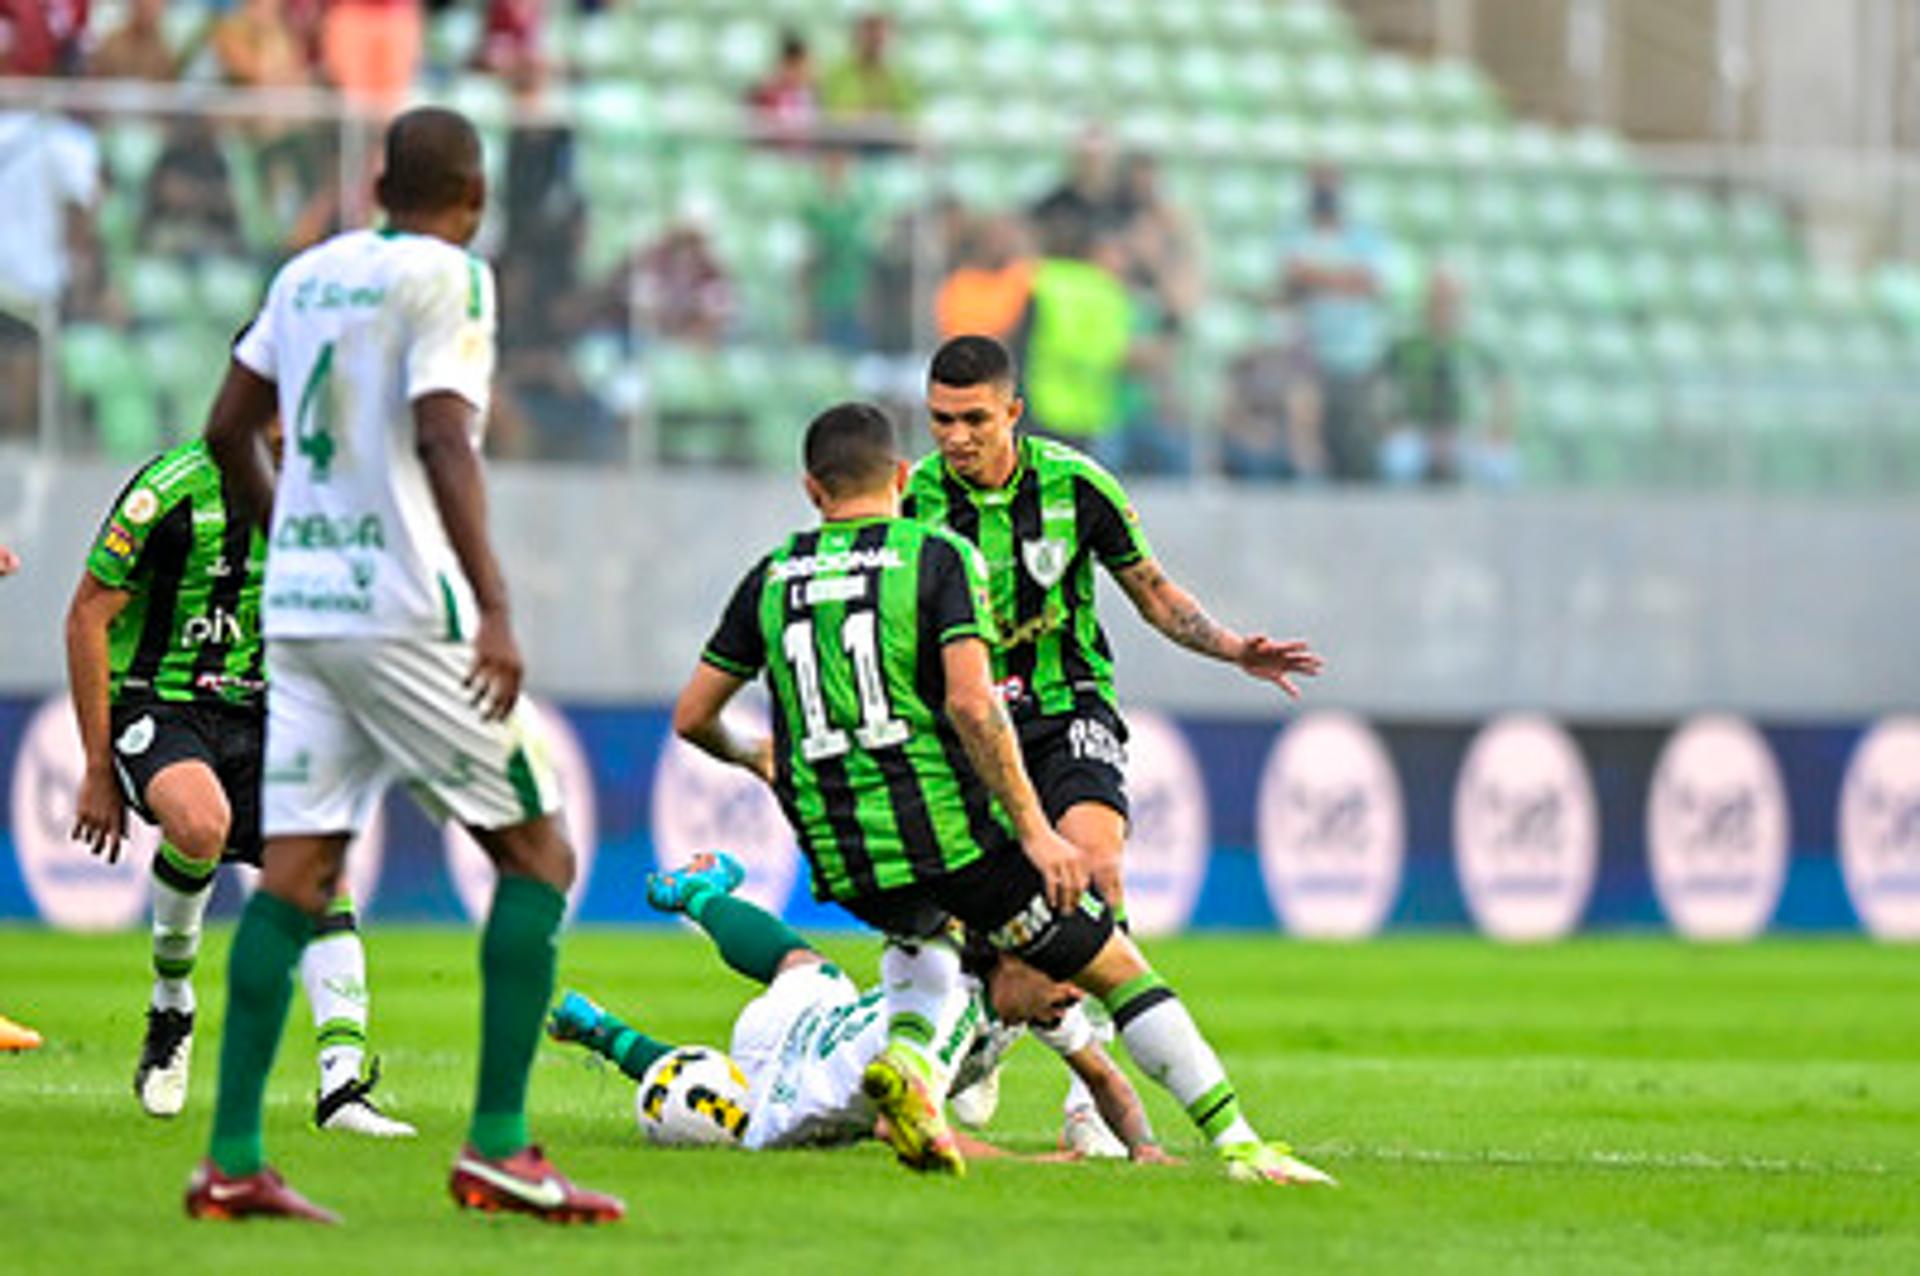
[
  {"x": 141, "y": 507},
  {"x": 1046, "y": 560},
  {"x": 138, "y": 736}
]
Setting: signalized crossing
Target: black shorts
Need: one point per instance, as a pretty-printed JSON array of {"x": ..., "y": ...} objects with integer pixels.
[
  {"x": 150, "y": 736},
  {"x": 1002, "y": 896},
  {"x": 1077, "y": 757}
]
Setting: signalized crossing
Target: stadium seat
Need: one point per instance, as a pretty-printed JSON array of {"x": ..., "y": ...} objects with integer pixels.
[
  {"x": 229, "y": 291},
  {"x": 158, "y": 288}
]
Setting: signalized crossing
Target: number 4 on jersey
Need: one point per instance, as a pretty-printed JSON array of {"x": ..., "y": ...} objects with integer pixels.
[{"x": 313, "y": 426}]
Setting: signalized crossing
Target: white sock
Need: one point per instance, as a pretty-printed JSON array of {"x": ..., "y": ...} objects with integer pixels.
[
  {"x": 927, "y": 1005},
  {"x": 1166, "y": 1043},
  {"x": 181, "y": 889},
  {"x": 334, "y": 972}
]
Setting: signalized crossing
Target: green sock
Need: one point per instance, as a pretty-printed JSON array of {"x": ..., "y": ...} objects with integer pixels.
[
  {"x": 266, "y": 948},
  {"x": 517, "y": 959},
  {"x": 750, "y": 939},
  {"x": 631, "y": 1048}
]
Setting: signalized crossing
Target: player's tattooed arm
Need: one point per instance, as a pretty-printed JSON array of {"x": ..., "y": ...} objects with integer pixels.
[
  {"x": 1119, "y": 1103},
  {"x": 1176, "y": 613},
  {"x": 1179, "y": 615},
  {"x": 980, "y": 720},
  {"x": 237, "y": 438},
  {"x": 697, "y": 720}
]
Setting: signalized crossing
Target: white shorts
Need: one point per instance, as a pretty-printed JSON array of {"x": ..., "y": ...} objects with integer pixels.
[{"x": 346, "y": 717}]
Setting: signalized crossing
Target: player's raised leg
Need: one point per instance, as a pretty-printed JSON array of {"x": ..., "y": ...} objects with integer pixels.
[
  {"x": 752, "y": 941},
  {"x": 333, "y": 971},
  {"x": 500, "y": 1168},
  {"x": 299, "y": 875}
]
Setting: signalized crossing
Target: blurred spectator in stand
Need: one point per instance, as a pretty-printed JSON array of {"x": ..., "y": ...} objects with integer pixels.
[
  {"x": 1447, "y": 398},
  {"x": 1090, "y": 205},
  {"x": 1162, "y": 276},
  {"x": 988, "y": 291},
  {"x": 50, "y": 172},
  {"x": 28, "y": 45},
  {"x": 137, "y": 49},
  {"x": 259, "y": 46},
  {"x": 1271, "y": 399},
  {"x": 371, "y": 49},
  {"x": 785, "y": 103},
  {"x": 839, "y": 272},
  {"x": 544, "y": 410},
  {"x": 189, "y": 205},
  {"x": 1333, "y": 274},
  {"x": 916, "y": 246},
  {"x": 677, "y": 287},
  {"x": 1073, "y": 343},
  {"x": 867, "y": 90},
  {"x": 510, "y": 37},
  {"x": 67, "y": 25}
]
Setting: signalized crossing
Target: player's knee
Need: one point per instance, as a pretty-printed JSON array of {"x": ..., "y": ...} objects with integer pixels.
[{"x": 198, "y": 832}]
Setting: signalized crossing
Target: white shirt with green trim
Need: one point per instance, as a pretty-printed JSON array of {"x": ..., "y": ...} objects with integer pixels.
[{"x": 354, "y": 331}]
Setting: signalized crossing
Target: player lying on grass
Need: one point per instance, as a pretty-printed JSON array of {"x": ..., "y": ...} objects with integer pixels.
[
  {"x": 805, "y": 1041},
  {"x": 894, "y": 761},
  {"x": 165, "y": 663}
]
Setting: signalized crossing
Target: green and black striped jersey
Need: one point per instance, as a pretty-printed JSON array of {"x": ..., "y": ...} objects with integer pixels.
[
  {"x": 191, "y": 628},
  {"x": 1040, "y": 535},
  {"x": 848, "y": 621}
]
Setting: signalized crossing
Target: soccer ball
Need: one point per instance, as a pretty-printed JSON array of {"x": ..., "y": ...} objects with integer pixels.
[{"x": 690, "y": 1096}]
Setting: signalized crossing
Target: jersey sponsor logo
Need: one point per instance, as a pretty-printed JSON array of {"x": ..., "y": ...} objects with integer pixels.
[
  {"x": 217, "y": 626},
  {"x": 553, "y": 742},
  {"x": 1168, "y": 835},
  {"x": 833, "y": 589},
  {"x": 321, "y": 531},
  {"x": 118, "y": 542},
  {"x": 700, "y": 804},
  {"x": 1717, "y": 830},
  {"x": 1025, "y": 928},
  {"x": 217, "y": 682},
  {"x": 70, "y": 889},
  {"x": 1091, "y": 741},
  {"x": 1332, "y": 827},
  {"x": 326, "y": 294},
  {"x": 1880, "y": 829},
  {"x": 1011, "y": 690},
  {"x": 138, "y": 737},
  {"x": 1526, "y": 831},
  {"x": 838, "y": 563},
  {"x": 141, "y": 507},
  {"x": 1050, "y": 619},
  {"x": 1046, "y": 559}
]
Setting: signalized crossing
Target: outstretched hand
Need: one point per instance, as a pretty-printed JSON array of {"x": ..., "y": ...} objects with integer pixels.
[{"x": 1279, "y": 662}]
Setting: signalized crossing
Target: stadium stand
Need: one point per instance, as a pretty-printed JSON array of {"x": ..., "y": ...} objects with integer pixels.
[{"x": 1656, "y": 332}]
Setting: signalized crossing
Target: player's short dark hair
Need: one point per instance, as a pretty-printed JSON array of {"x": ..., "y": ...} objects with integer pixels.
[
  {"x": 850, "y": 448},
  {"x": 972, "y": 360},
  {"x": 432, "y": 160}
]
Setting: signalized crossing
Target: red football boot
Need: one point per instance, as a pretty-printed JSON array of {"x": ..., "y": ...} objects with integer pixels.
[
  {"x": 527, "y": 1183},
  {"x": 211, "y": 1194}
]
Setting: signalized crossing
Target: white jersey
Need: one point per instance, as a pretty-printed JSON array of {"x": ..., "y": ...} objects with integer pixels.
[
  {"x": 804, "y": 1043},
  {"x": 353, "y": 331}
]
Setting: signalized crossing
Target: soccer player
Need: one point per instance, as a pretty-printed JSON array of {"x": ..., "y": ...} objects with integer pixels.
[
  {"x": 805, "y": 1041},
  {"x": 1042, "y": 514},
  {"x": 164, "y": 665},
  {"x": 898, "y": 768},
  {"x": 390, "y": 650}
]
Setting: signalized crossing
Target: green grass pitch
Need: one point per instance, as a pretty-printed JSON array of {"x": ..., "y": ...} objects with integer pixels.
[{"x": 1607, "y": 1105}]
